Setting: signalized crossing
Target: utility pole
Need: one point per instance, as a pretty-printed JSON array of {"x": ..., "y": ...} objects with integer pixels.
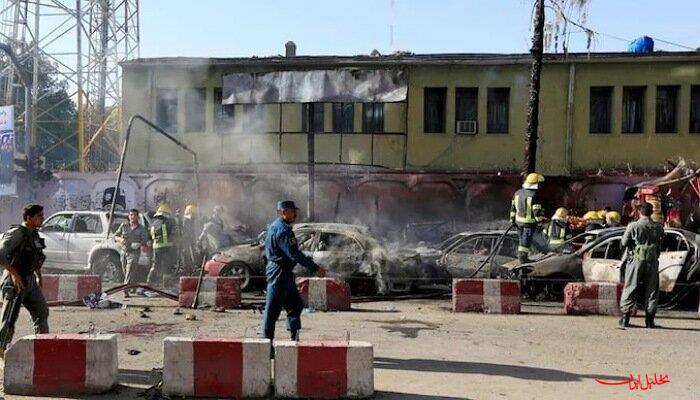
[
  {"x": 311, "y": 163},
  {"x": 533, "y": 105}
]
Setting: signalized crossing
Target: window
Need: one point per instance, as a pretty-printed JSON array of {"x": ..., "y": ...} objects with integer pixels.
[
  {"x": 58, "y": 223},
  {"x": 666, "y": 103},
  {"x": 600, "y": 109},
  {"x": 497, "y": 110},
  {"x": 609, "y": 250},
  {"x": 633, "y": 109},
  {"x": 478, "y": 245},
  {"x": 166, "y": 109},
  {"x": 508, "y": 248},
  {"x": 195, "y": 114},
  {"x": 314, "y": 112},
  {"x": 673, "y": 242},
  {"x": 87, "y": 224},
  {"x": 695, "y": 109},
  {"x": 223, "y": 113},
  {"x": 434, "y": 110},
  {"x": 305, "y": 241},
  {"x": 466, "y": 105},
  {"x": 338, "y": 243},
  {"x": 372, "y": 117},
  {"x": 343, "y": 117}
]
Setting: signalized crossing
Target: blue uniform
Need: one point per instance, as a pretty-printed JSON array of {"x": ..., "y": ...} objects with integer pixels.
[{"x": 282, "y": 255}]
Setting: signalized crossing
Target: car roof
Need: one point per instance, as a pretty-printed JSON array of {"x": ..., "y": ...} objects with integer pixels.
[{"x": 333, "y": 226}]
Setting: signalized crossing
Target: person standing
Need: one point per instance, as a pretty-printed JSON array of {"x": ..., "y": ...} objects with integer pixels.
[
  {"x": 558, "y": 231},
  {"x": 282, "y": 254},
  {"x": 526, "y": 213},
  {"x": 163, "y": 235},
  {"x": 21, "y": 257},
  {"x": 188, "y": 252},
  {"x": 643, "y": 239},
  {"x": 132, "y": 236},
  {"x": 213, "y": 236}
]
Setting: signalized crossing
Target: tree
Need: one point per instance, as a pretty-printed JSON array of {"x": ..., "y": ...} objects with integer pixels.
[
  {"x": 55, "y": 114},
  {"x": 558, "y": 30}
]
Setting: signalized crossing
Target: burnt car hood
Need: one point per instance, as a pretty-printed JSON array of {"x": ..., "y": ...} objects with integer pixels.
[
  {"x": 566, "y": 264},
  {"x": 243, "y": 252}
]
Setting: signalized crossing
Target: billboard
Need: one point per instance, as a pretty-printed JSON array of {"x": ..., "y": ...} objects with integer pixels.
[{"x": 8, "y": 180}]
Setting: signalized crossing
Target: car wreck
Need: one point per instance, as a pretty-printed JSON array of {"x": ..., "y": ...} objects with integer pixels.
[
  {"x": 601, "y": 259},
  {"x": 348, "y": 252}
]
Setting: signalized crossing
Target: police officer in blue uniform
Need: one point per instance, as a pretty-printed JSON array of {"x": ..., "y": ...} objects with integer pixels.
[{"x": 282, "y": 254}]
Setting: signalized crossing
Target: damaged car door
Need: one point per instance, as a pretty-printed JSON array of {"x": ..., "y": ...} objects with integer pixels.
[
  {"x": 672, "y": 257},
  {"x": 602, "y": 262},
  {"x": 462, "y": 260},
  {"x": 339, "y": 253}
]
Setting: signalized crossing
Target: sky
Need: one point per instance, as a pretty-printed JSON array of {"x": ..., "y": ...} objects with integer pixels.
[{"x": 237, "y": 28}]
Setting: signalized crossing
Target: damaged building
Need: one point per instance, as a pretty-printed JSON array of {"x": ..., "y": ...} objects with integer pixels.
[{"x": 408, "y": 138}]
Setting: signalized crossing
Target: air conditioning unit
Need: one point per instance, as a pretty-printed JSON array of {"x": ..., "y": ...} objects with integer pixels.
[{"x": 466, "y": 127}]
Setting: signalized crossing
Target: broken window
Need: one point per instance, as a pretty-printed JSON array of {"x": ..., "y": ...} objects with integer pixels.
[
  {"x": 466, "y": 108},
  {"x": 695, "y": 109},
  {"x": 166, "y": 109},
  {"x": 434, "y": 101},
  {"x": 666, "y": 103},
  {"x": 633, "y": 109},
  {"x": 497, "y": 109},
  {"x": 312, "y": 112},
  {"x": 600, "y": 109},
  {"x": 195, "y": 114},
  {"x": 338, "y": 243},
  {"x": 343, "y": 117},
  {"x": 223, "y": 113},
  {"x": 372, "y": 117},
  {"x": 87, "y": 223}
]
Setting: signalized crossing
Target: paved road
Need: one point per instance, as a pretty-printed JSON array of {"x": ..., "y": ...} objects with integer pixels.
[{"x": 424, "y": 352}]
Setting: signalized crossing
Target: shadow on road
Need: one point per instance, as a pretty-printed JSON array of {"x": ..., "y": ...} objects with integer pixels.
[
  {"x": 409, "y": 396},
  {"x": 468, "y": 367}
]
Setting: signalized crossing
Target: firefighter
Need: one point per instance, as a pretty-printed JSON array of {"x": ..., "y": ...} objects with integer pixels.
[
  {"x": 594, "y": 220},
  {"x": 189, "y": 231},
  {"x": 526, "y": 213},
  {"x": 163, "y": 235},
  {"x": 558, "y": 231},
  {"x": 282, "y": 254},
  {"x": 21, "y": 257},
  {"x": 213, "y": 236},
  {"x": 643, "y": 239},
  {"x": 612, "y": 219}
]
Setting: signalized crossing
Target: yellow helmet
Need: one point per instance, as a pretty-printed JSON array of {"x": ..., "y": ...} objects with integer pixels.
[
  {"x": 534, "y": 178},
  {"x": 613, "y": 217},
  {"x": 164, "y": 208},
  {"x": 190, "y": 209},
  {"x": 590, "y": 215},
  {"x": 601, "y": 214},
  {"x": 561, "y": 213}
]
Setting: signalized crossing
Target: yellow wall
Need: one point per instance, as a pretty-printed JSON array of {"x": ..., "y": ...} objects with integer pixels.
[{"x": 406, "y": 145}]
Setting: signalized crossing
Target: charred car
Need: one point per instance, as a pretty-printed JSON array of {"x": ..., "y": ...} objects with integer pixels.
[
  {"x": 348, "y": 252},
  {"x": 600, "y": 260}
]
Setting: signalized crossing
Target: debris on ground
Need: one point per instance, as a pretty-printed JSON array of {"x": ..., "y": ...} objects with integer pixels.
[
  {"x": 190, "y": 317},
  {"x": 219, "y": 309},
  {"x": 144, "y": 329},
  {"x": 177, "y": 311},
  {"x": 101, "y": 301},
  {"x": 133, "y": 352},
  {"x": 143, "y": 314},
  {"x": 153, "y": 393}
]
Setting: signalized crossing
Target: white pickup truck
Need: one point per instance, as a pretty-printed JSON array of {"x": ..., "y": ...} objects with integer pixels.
[{"x": 76, "y": 243}]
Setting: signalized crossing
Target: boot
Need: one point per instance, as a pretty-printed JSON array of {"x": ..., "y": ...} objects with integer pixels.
[
  {"x": 295, "y": 336},
  {"x": 625, "y": 320},
  {"x": 649, "y": 321}
]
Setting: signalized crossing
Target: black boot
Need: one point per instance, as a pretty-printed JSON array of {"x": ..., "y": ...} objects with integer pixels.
[
  {"x": 625, "y": 320},
  {"x": 649, "y": 321},
  {"x": 295, "y": 336}
]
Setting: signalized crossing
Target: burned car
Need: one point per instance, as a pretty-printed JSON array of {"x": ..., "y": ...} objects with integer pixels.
[
  {"x": 600, "y": 260},
  {"x": 461, "y": 255},
  {"x": 348, "y": 252}
]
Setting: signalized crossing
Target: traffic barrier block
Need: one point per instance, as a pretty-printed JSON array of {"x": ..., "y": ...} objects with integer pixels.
[
  {"x": 216, "y": 367},
  {"x": 592, "y": 298},
  {"x": 324, "y": 369},
  {"x": 326, "y": 294},
  {"x": 61, "y": 364},
  {"x": 216, "y": 291},
  {"x": 62, "y": 288},
  {"x": 486, "y": 295}
]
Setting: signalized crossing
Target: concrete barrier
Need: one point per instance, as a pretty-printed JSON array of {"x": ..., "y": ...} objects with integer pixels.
[
  {"x": 60, "y": 288},
  {"x": 62, "y": 364},
  {"x": 216, "y": 367},
  {"x": 324, "y": 369},
  {"x": 486, "y": 295},
  {"x": 326, "y": 294},
  {"x": 216, "y": 291},
  {"x": 592, "y": 298}
]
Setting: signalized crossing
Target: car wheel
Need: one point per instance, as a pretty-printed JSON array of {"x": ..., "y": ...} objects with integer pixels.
[
  {"x": 239, "y": 270},
  {"x": 554, "y": 289},
  {"x": 109, "y": 267}
]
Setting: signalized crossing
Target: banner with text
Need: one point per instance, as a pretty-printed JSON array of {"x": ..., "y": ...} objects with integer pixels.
[{"x": 8, "y": 180}]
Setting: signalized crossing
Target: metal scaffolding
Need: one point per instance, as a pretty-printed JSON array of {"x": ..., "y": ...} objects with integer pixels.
[{"x": 79, "y": 45}]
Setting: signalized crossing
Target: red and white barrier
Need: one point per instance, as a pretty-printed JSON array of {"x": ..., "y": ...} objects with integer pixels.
[
  {"x": 216, "y": 367},
  {"x": 63, "y": 364},
  {"x": 326, "y": 294},
  {"x": 215, "y": 291},
  {"x": 61, "y": 288},
  {"x": 324, "y": 370},
  {"x": 592, "y": 298},
  {"x": 486, "y": 295}
]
